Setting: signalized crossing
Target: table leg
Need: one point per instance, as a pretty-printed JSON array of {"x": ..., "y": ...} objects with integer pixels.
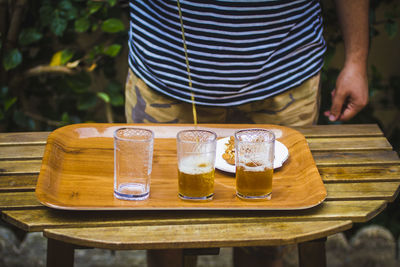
[
  {"x": 312, "y": 253},
  {"x": 190, "y": 255},
  {"x": 59, "y": 254}
]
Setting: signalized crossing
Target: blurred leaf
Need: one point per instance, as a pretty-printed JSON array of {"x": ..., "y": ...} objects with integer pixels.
[
  {"x": 66, "y": 55},
  {"x": 79, "y": 83},
  {"x": 28, "y": 36},
  {"x": 94, "y": 6},
  {"x": 86, "y": 102},
  {"x": 73, "y": 64},
  {"x": 12, "y": 59},
  {"x": 1, "y": 115},
  {"x": 92, "y": 67},
  {"x": 391, "y": 28},
  {"x": 112, "y": 50},
  {"x": 68, "y": 11},
  {"x": 114, "y": 90},
  {"x": 113, "y": 87},
  {"x": 65, "y": 118},
  {"x": 9, "y": 102},
  {"x": 58, "y": 25},
  {"x": 112, "y": 2},
  {"x": 112, "y": 25},
  {"x": 104, "y": 97},
  {"x": 4, "y": 91},
  {"x": 94, "y": 27},
  {"x": 61, "y": 57},
  {"x": 46, "y": 12},
  {"x": 117, "y": 100},
  {"x": 56, "y": 59},
  {"x": 82, "y": 24},
  {"x": 23, "y": 121}
]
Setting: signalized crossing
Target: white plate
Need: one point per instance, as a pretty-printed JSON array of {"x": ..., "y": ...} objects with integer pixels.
[{"x": 281, "y": 155}]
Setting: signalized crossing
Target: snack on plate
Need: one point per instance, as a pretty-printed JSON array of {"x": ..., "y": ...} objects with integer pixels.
[{"x": 229, "y": 155}]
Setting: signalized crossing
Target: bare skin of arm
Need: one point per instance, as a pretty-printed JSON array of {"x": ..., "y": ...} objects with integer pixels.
[{"x": 351, "y": 92}]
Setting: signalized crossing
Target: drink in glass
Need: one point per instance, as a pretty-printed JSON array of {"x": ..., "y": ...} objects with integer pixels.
[
  {"x": 196, "y": 164},
  {"x": 254, "y": 159}
]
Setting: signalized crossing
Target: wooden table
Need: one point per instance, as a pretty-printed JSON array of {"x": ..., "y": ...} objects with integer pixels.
[{"x": 360, "y": 171}]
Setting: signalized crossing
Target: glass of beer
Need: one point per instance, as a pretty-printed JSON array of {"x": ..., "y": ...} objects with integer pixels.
[
  {"x": 254, "y": 160},
  {"x": 196, "y": 164}
]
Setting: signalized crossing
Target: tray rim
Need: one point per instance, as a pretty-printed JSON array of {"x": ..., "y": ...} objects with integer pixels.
[{"x": 178, "y": 127}]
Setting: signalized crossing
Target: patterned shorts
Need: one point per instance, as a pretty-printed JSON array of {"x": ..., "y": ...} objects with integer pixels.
[{"x": 296, "y": 107}]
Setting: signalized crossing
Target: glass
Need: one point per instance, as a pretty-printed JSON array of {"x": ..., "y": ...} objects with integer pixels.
[
  {"x": 133, "y": 158},
  {"x": 196, "y": 164},
  {"x": 254, "y": 160}
]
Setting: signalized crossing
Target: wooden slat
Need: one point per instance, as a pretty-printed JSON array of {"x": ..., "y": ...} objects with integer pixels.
[
  {"x": 13, "y": 167},
  {"x": 367, "y": 173},
  {"x": 341, "y": 130},
  {"x": 362, "y": 130},
  {"x": 201, "y": 235},
  {"x": 348, "y": 144},
  {"x": 21, "y": 152},
  {"x": 24, "y": 182},
  {"x": 18, "y": 200},
  {"x": 379, "y": 157},
  {"x": 23, "y": 138},
  {"x": 343, "y": 191},
  {"x": 362, "y": 191},
  {"x": 39, "y": 219}
]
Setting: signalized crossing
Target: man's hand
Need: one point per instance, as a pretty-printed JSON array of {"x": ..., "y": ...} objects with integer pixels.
[
  {"x": 351, "y": 92},
  {"x": 350, "y": 95}
]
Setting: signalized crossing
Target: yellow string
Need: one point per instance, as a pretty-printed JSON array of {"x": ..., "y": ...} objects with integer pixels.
[{"x": 187, "y": 65}]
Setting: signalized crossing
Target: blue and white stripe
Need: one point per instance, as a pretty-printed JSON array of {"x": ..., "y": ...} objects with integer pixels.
[{"x": 239, "y": 51}]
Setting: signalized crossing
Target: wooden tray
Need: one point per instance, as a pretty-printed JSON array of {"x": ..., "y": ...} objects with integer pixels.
[{"x": 77, "y": 172}]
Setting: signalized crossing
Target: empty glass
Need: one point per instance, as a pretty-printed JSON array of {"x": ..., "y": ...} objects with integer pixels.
[{"x": 133, "y": 157}]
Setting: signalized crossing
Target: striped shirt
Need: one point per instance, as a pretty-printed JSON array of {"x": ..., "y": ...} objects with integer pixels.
[{"x": 238, "y": 50}]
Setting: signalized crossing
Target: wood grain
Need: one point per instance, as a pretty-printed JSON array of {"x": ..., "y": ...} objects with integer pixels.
[
  {"x": 39, "y": 219},
  {"x": 336, "y": 191},
  {"x": 343, "y": 130},
  {"x": 201, "y": 235},
  {"x": 23, "y": 138},
  {"x": 348, "y": 144},
  {"x": 365, "y": 173},
  {"x": 20, "y": 152},
  {"x": 77, "y": 173},
  {"x": 16, "y": 167},
  {"x": 22, "y": 182},
  {"x": 18, "y": 200},
  {"x": 362, "y": 191},
  {"x": 356, "y": 158}
]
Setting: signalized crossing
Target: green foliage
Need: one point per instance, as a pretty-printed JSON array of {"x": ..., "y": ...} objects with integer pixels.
[
  {"x": 51, "y": 65},
  {"x": 112, "y": 25},
  {"x": 384, "y": 93},
  {"x": 29, "y": 36},
  {"x": 377, "y": 85}
]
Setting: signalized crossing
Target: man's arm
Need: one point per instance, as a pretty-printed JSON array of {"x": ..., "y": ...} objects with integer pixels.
[{"x": 351, "y": 92}]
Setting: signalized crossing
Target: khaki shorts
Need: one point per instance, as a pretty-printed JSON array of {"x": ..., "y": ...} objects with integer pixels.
[{"x": 296, "y": 107}]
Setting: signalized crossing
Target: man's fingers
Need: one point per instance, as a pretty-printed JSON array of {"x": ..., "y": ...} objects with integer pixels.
[
  {"x": 348, "y": 113},
  {"x": 338, "y": 101}
]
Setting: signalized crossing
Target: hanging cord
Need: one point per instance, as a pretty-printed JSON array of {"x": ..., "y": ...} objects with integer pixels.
[{"x": 187, "y": 65}]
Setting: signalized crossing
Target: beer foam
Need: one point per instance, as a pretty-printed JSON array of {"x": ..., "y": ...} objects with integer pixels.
[
  {"x": 195, "y": 165},
  {"x": 253, "y": 165},
  {"x": 253, "y": 169}
]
